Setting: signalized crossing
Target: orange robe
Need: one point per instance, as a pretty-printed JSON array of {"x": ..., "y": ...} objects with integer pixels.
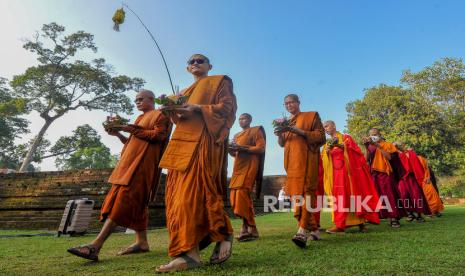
[
  {"x": 246, "y": 169},
  {"x": 301, "y": 158},
  {"x": 196, "y": 163},
  {"x": 136, "y": 176},
  {"x": 424, "y": 177}
]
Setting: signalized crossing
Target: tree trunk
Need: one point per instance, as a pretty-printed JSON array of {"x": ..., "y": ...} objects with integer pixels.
[{"x": 27, "y": 160}]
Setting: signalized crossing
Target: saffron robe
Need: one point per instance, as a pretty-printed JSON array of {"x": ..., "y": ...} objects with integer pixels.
[
  {"x": 248, "y": 168},
  {"x": 196, "y": 163},
  {"x": 422, "y": 173},
  {"x": 136, "y": 177},
  {"x": 347, "y": 176},
  {"x": 301, "y": 158}
]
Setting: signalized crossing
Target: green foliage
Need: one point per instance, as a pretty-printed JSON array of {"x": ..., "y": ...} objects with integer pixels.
[
  {"x": 427, "y": 113},
  {"x": 12, "y": 125},
  {"x": 82, "y": 150},
  {"x": 61, "y": 83},
  {"x": 452, "y": 186}
]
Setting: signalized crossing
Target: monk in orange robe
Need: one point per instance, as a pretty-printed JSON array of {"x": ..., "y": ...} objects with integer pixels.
[
  {"x": 134, "y": 180},
  {"x": 196, "y": 161},
  {"x": 423, "y": 176},
  {"x": 248, "y": 150},
  {"x": 347, "y": 176},
  {"x": 302, "y": 141},
  {"x": 378, "y": 153}
]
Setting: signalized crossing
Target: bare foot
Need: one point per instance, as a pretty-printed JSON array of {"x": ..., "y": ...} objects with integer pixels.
[
  {"x": 134, "y": 248},
  {"x": 180, "y": 263},
  {"x": 253, "y": 231},
  {"x": 225, "y": 249}
]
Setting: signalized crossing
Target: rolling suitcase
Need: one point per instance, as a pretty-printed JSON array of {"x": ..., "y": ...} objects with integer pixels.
[{"x": 76, "y": 217}]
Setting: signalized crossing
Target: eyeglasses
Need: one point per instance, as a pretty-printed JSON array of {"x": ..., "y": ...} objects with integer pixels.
[{"x": 196, "y": 60}]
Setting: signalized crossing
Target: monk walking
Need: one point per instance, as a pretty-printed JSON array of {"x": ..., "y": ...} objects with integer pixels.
[
  {"x": 248, "y": 149},
  {"x": 302, "y": 141},
  {"x": 134, "y": 180},
  {"x": 410, "y": 191},
  {"x": 378, "y": 153},
  {"x": 347, "y": 176},
  {"x": 196, "y": 162},
  {"x": 423, "y": 175}
]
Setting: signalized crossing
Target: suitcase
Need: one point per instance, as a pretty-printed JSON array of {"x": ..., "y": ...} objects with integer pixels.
[{"x": 76, "y": 217}]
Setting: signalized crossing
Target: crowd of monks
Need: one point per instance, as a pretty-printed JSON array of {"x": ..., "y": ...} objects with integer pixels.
[{"x": 195, "y": 156}]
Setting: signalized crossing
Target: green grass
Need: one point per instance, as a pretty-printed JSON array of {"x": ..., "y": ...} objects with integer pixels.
[{"x": 435, "y": 247}]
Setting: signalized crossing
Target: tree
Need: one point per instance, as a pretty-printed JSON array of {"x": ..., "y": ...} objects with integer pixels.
[
  {"x": 60, "y": 83},
  {"x": 82, "y": 150},
  {"x": 11, "y": 125},
  {"x": 426, "y": 113},
  {"x": 443, "y": 84}
]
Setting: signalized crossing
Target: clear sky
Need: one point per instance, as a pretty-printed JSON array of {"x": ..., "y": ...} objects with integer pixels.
[{"x": 328, "y": 52}]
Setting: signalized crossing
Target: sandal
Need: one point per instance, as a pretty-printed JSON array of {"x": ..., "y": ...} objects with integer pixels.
[
  {"x": 247, "y": 237},
  {"x": 132, "y": 250},
  {"x": 362, "y": 228},
  {"x": 315, "y": 235},
  {"x": 410, "y": 218},
  {"x": 189, "y": 264},
  {"x": 395, "y": 224},
  {"x": 91, "y": 255},
  {"x": 215, "y": 259},
  {"x": 300, "y": 240},
  {"x": 420, "y": 219}
]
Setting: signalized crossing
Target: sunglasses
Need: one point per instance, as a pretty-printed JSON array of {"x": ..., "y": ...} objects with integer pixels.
[{"x": 196, "y": 60}]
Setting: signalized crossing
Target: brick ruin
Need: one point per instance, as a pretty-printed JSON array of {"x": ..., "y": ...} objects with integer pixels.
[{"x": 37, "y": 200}]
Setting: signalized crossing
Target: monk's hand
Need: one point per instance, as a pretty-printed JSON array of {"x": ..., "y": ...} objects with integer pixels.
[
  {"x": 296, "y": 130},
  {"x": 125, "y": 128},
  {"x": 366, "y": 140},
  {"x": 112, "y": 132},
  {"x": 243, "y": 148},
  {"x": 190, "y": 108}
]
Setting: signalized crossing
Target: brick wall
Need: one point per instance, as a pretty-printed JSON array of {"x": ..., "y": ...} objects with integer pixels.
[{"x": 37, "y": 200}]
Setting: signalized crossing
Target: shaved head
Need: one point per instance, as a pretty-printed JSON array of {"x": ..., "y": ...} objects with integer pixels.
[
  {"x": 329, "y": 122},
  {"x": 146, "y": 93},
  {"x": 145, "y": 100},
  {"x": 200, "y": 56},
  {"x": 330, "y": 127}
]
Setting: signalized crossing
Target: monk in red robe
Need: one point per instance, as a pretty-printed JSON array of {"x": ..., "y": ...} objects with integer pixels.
[
  {"x": 134, "y": 180},
  {"x": 302, "y": 140},
  {"x": 196, "y": 161},
  {"x": 423, "y": 176},
  {"x": 410, "y": 192},
  {"x": 378, "y": 153},
  {"x": 347, "y": 177},
  {"x": 248, "y": 150}
]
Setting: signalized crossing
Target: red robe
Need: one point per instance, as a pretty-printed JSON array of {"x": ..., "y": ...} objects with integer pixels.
[{"x": 350, "y": 179}]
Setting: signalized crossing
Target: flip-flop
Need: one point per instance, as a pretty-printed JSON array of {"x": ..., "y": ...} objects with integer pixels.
[
  {"x": 132, "y": 250},
  {"x": 300, "y": 240},
  {"x": 92, "y": 255},
  {"x": 214, "y": 259},
  {"x": 314, "y": 236},
  {"x": 246, "y": 237},
  {"x": 189, "y": 264}
]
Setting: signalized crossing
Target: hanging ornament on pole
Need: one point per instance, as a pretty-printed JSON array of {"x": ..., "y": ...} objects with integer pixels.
[{"x": 118, "y": 19}]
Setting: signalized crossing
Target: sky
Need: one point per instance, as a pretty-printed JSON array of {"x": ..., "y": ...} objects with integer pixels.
[{"x": 328, "y": 52}]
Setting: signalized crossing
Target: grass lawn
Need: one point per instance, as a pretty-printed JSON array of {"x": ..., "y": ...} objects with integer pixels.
[{"x": 435, "y": 247}]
